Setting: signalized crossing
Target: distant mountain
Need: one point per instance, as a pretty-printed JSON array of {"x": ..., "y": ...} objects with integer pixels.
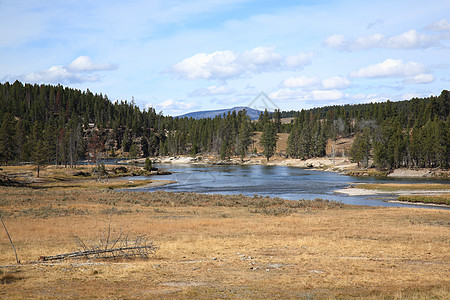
[{"x": 252, "y": 113}]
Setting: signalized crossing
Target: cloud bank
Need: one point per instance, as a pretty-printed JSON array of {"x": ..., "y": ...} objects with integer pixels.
[
  {"x": 410, "y": 39},
  {"x": 390, "y": 68},
  {"x": 228, "y": 64},
  {"x": 82, "y": 69}
]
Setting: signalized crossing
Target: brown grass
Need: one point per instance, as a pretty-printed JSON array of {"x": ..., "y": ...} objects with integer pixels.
[
  {"x": 281, "y": 142},
  {"x": 392, "y": 187},
  {"x": 223, "y": 247},
  {"x": 443, "y": 197},
  {"x": 436, "y": 199}
]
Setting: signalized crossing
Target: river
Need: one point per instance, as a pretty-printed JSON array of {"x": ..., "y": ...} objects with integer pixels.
[{"x": 277, "y": 181}]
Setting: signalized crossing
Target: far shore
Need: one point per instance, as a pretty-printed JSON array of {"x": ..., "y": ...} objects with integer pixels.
[{"x": 330, "y": 164}]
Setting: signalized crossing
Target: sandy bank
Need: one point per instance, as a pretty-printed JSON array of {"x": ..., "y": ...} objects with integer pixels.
[
  {"x": 323, "y": 163},
  {"x": 410, "y": 173}
]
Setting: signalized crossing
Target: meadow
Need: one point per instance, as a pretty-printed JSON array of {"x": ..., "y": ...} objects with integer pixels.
[{"x": 213, "y": 246}]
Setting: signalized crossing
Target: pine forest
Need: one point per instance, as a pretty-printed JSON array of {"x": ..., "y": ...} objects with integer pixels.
[{"x": 46, "y": 124}]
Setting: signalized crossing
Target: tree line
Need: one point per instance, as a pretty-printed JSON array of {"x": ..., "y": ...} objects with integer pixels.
[
  {"x": 388, "y": 135},
  {"x": 48, "y": 124}
]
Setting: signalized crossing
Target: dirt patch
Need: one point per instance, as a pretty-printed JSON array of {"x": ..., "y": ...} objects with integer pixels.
[{"x": 410, "y": 173}]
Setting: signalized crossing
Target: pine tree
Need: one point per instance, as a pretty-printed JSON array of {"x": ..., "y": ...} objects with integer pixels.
[
  {"x": 39, "y": 147},
  {"x": 268, "y": 137},
  {"x": 243, "y": 139},
  {"x": 360, "y": 151},
  {"x": 7, "y": 142},
  {"x": 277, "y": 120},
  {"x": 293, "y": 148},
  {"x": 305, "y": 141},
  {"x": 148, "y": 164}
]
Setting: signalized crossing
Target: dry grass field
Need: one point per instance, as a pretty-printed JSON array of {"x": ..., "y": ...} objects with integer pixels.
[{"x": 214, "y": 246}]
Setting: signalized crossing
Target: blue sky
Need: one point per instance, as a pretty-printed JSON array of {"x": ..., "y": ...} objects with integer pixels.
[{"x": 182, "y": 56}]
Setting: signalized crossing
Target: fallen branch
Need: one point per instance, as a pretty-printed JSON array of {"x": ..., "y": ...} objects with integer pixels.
[
  {"x": 125, "y": 252},
  {"x": 111, "y": 244}
]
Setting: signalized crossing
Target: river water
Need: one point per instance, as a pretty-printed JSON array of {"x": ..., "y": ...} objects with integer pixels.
[{"x": 277, "y": 181}]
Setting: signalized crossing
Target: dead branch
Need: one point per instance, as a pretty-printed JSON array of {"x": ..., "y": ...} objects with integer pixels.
[
  {"x": 110, "y": 245},
  {"x": 126, "y": 252}
]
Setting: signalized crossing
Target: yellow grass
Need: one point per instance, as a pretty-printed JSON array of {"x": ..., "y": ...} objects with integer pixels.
[
  {"x": 404, "y": 186},
  {"x": 223, "y": 247},
  {"x": 436, "y": 199},
  {"x": 281, "y": 142}
]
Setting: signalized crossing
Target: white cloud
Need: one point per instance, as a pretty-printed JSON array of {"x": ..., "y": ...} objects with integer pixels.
[
  {"x": 407, "y": 40},
  {"x": 369, "y": 41},
  {"x": 336, "y": 41},
  {"x": 211, "y": 91},
  {"x": 302, "y": 82},
  {"x": 79, "y": 70},
  {"x": 409, "y": 96},
  {"x": 228, "y": 64},
  {"x": 326, "y": 95},
  {"x": 390, "y": 68},
  {"x": 442, "y": 25},
  {"x": 85, "y": 64},
  {"x": 219, "y": 64},
  {"x": 360, "y": 97},
  {"x": 352, "y": 44},
  {"x": 410, "y": 40},
  {"x": 59, "y": 74},
  {"x": 300, "y": 59},
  {"x": 260, "y": 58},
  {"x": 418, "y": 79},
  {"x": 300, "y": 95},
  {"x": 175, "y": 107},
  {"x": 336, "y": 82},
  {"x": 288, "y": 95}
]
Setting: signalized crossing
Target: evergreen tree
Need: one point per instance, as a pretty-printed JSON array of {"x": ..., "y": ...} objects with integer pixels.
[
  {"x": 305, "y": 141},
  {"x": 277, "y": 120},
  {"x": 360, "y": 150},
  {"x": 39, "y": 150},
  {"x": 21, "y": 141},
  {"x": 293, "y": 147},
  {"x": 244, "y": 140},
  {"x": 268, "y": 137},
  {"x": 133, "y": 151},
  {"x": 148, "y": 164},
  {"x": 8, "y": 145}
]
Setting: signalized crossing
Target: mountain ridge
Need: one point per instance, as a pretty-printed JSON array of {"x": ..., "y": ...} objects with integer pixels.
[{"x": 204, "y": 114}]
